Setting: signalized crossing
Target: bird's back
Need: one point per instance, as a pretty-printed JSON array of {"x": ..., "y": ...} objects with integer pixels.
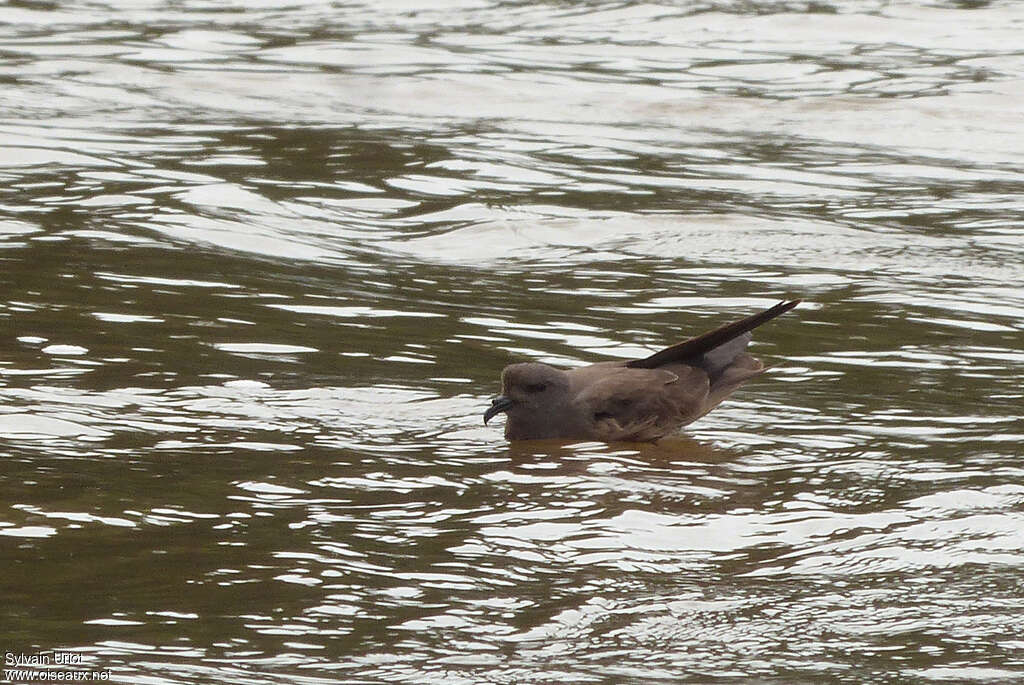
[{"x": 623, "y": 403}]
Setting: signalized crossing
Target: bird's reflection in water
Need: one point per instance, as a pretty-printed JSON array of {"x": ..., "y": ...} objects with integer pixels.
[{"x": 674, "y": 449}]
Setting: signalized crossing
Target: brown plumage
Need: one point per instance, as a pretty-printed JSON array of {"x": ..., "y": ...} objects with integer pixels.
[{"x": 639, "y": 400}]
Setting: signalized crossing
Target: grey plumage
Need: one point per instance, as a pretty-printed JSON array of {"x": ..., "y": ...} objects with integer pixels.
[{"x": 639, "y": 400}]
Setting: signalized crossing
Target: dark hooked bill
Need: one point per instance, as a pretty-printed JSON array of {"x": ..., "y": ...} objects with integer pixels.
[{"x": 498, "y": 405}]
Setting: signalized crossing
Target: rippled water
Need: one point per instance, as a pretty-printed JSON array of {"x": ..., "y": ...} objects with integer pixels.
[{"x": 263, "y": 263}]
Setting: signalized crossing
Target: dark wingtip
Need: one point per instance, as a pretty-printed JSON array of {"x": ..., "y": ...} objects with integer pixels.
[
  {"x": 785, "y": 306},
  {"x": 695, "y": 347}
]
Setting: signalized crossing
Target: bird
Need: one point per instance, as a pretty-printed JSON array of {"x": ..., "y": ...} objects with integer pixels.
[{"x": 641, "y": 400}]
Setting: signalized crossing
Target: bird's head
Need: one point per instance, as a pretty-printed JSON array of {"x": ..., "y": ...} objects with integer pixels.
[{"x": 534, "y": 396}]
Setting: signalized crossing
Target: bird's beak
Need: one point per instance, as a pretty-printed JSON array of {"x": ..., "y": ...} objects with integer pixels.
[{"x": 498, "y": 405}]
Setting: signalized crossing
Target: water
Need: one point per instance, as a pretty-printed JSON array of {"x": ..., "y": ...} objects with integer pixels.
[{"x": 263, "y": 263}]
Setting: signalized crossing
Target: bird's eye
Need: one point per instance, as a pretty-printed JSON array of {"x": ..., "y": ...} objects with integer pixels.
[{"x": 536, "y": 387}]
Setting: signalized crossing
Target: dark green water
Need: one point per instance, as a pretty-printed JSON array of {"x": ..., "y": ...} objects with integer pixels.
[{"x": 262, "y": 265}]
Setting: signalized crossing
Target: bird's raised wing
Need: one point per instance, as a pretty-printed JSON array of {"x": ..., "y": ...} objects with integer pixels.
[
  {"x": 642, "y": 404},
  {"x": 690, "y": 351}
]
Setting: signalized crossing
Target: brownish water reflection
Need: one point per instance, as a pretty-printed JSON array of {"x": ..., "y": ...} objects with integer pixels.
[{"x": 262, "y": 266}]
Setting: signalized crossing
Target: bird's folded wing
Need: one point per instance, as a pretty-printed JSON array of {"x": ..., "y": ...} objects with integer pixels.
[
  {"x": 642, "y": 404},
  {"x": 690, "y": 350}
]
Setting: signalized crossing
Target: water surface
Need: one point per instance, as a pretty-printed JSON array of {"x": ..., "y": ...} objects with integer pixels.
[{"x": 263, "y": 263}]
